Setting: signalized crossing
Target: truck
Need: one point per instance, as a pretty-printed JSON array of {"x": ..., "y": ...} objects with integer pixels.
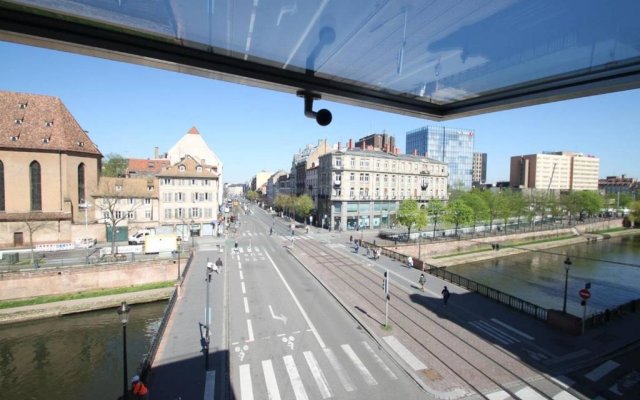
[
  {"x": 164, "y": 243},
  {"x": 140, "y": 236}
]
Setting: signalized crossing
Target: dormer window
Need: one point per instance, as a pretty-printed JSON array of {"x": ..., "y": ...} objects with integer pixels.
[
  {"x": 48, "y": 123},
  {"x": 149, "y": 188},
  {"x": 80, "y": 144},
  {"x": 151, "y": 165},
  {"x": 199, "y": 168},
  {"x": 23, "y": 105},
  {"x": 118, "y": 188},
  {"x": 46, "y": 140},
  {"x": 19, "y": 121},
  {"x": 181, "y": 168},
  {"x": 14, "y": 138}
]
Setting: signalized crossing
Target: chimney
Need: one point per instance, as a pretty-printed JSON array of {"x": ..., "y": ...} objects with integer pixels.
[
  {"x": 339, "y": 146},
  {"x": 350, "y": 144},
  {"x": 386, "y": 147},
  {"x": 363, "y": 145},
  {"x": 155, "y": 152}
]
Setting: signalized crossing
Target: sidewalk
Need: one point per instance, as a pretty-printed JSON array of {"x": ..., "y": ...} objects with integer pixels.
[{"x": 548, "y": 351}]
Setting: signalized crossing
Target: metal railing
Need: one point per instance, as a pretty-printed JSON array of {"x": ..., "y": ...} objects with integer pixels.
[{"x": 494, "y": 294}]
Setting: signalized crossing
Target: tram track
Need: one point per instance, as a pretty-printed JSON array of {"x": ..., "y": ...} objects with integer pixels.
[{"x": 481, "y": 362}]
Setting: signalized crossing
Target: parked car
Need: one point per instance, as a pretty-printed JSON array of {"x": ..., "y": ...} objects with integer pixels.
[{"x": 86, "y": 243}]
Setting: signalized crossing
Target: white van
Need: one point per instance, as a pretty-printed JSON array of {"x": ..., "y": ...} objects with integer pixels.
[{"x": 140, "y": 236}]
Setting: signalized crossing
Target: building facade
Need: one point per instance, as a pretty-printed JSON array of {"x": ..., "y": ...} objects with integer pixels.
[
  {"x": 479, "y": 169},
  {"x": 451, "y": 146},
  {"x": 360, "y": 189},
  {"x": 620, "y": 185},
  {"x": 555, "y": 171},
  {"x": 305, "y": 159},
  {"x": 187, "y": 193},
  {"x": 378, "y": 141},
  {"x": 48, "y": 168},
  {"x": 272, "y": 185}
]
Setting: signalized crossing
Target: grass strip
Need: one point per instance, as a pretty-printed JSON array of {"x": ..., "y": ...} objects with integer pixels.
[
  {"x": 505, "y": 245},
  {"x": 83, "y": 295},
  {"x": 610, "y": 230}
]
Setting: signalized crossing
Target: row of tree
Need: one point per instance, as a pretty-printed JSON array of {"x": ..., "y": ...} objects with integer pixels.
[
  {"x": 294, "y": 206},
  {"x": 486, "y": 207}
]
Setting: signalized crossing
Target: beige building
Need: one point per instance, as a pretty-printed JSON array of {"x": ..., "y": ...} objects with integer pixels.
[
  {"x": 48, "y": 167},
  {"x": 363, "y": 188},
  {"x": 128, "y": 204},
  {"x": 259, "y": 182},
  {"x": 555, "y": 171},
  {"x": 188, "y": 197}
]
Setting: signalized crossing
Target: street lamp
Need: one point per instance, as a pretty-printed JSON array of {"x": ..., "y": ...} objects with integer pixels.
[
  {"x": 191, "y": 232},
  {"x": 179, "y": 251},
  {"x": 123, "y": 313},
  {"x": 567, "y": 267}
]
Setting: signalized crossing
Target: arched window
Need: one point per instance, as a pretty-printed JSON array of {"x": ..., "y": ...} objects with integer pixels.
[
  {"x": 36, "y": 187},
  {"x": 81, "y": 198},
  {"x": 2, "y": 187}
]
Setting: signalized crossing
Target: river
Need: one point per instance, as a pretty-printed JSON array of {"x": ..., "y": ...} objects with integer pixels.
[
  {"x": 74, "y": 357},
  {"x": 611, "y": 266}
]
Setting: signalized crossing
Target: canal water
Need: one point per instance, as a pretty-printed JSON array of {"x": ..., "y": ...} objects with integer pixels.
[
  {"x": 74, "y": 357},
  {"x": 611, "y": 266}
]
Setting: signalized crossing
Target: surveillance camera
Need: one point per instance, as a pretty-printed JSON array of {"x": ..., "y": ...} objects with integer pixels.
[{"x": 323, "y": 117}]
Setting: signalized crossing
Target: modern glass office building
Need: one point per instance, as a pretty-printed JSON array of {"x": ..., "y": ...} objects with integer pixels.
[{"x": 449, "y": 145}]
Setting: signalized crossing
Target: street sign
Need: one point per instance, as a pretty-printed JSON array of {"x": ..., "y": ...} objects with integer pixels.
[{"x": 585, "y": 294}]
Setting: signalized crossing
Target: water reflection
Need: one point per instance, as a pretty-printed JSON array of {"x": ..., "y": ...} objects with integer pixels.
[
  {"x": 74, "y": 357},
  {"x": 538, "y": 277}
]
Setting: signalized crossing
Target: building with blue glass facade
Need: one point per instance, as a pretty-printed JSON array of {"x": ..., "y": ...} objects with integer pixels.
[{"x": 451, "y": 146}]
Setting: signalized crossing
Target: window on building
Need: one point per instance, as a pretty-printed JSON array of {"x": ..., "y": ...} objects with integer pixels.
[
  {"x": 167, "y": 213},
  {"x": 353, "y": 162},
  {"x": 181, "y": 168},
  {"x": 166, "y": 181},
  {"x": 132, "y": 201},
  {"x": 131, "y": 215},
  {"x": 179, "y": 196},
  {"x": 35, "y": 185},
  {"x": 147, "y": 214},
  {"x": 180, "y": 213},
  {"x": 352, "y": 177},
  {"x": 366, "y": 177},
  {"x": 147, "y": 201},
  {"x": 119, "y": 214},
  {"x": 352, "y": 192},
  {"x": 195, "y": 212},
  {"x": 81, "y": 198},
  {"x": 338, "y": 161},
  {"x": 2, "y": 186},
  {"x": 207, "y": 213}
]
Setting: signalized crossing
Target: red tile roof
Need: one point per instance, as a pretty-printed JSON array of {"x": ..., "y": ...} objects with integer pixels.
[
  {"x": 193, "y": 131},
  {"x": 139, "y": 166},
  {"x": 37, "y": 122}
]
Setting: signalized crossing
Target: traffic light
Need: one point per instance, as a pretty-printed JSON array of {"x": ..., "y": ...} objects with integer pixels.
[{"x": 385, "y": 283}]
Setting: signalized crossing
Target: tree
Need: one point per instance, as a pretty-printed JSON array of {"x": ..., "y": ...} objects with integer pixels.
[
  {"x": 252, "y": 195},
  {"x": 33, "y": 223},
  {"x": 284, "y": 202},
  {"x": 303, "y": 205},
  {"x": 477, "y": 204},
  {"x": 116, "y": 204},
  {"x": 634, "y": 213},
  {"x": 409, "y": 214},
  {"x": 519, "y": 205},
  {"x": 591, "y": 202},
  {"x": 458, "y": 213},
  {"x": 491, "y": 199},
  {"x": 504, "y": 206},
  {"x": 115, "y": 166},
  {"x": 435, "y": 209}
]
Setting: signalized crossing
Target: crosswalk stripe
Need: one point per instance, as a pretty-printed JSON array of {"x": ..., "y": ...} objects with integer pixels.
[
  {"x": 294, "y": 376},
  {"x": 498, "y": 332},
  {"x": 404, "y": 353},
  {"x": 366, "y": 375},
  {"x": 240, "y": 250},
  {"x": 379, "y": 361},
  {"x": 340, "y": 371},
  {"x": 246, "y": 388},
  {"x": 499, "y": 395},
  {"x": 270, "y": 379},
  {"x": 481, "y": 328},
  {"x": 564, "y": 395},
  {"x": 602, "y": 370},
  {"x": 318, "y": 375},
  {"x": 526, "y": 393}
]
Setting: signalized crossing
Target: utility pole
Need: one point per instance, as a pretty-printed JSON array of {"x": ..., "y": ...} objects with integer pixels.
[{"x": 385, "y": 287}]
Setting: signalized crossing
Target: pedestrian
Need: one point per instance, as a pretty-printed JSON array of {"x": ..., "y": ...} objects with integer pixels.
[
  {"x": 368, "y": 251},
  {"x": 350, "y": 238},
  {"x": 138, "y": 388},
  {"x": 356, "y": 248},
  {"x": 270, "y": 231},
  {"x": 422, "y": 281},
  {"x": 218, "y": 268},
  {"x": 445, "y": 295},
  {"x": 377, "y": 253},
  {"x": 409, "y": 262},
  {"x": 235, "y": 247}
]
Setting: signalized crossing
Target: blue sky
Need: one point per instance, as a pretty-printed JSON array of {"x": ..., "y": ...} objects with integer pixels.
[{"x": 129, "y": 109}]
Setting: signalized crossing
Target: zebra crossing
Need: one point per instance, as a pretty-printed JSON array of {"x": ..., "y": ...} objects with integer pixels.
[{"x": 307, "y": 375}]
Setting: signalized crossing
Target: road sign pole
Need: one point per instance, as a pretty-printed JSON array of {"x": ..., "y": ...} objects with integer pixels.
[
  {"x": 584, "y": 315},
  {"x": 385, "y": 285}
]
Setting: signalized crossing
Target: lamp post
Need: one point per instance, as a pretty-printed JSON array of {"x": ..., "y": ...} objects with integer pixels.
[
  {"x": 567, "y": 267},
  {"x": 179, "y": 251},
  {"x": 123, "y": 313},
  {"x": 191, "y": 233}
]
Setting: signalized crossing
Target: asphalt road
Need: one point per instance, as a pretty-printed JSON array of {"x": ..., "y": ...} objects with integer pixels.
[{"x": 288, "y": 338}]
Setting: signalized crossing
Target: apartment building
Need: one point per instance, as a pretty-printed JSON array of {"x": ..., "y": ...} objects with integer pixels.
[
  {"x": 305, "y": 159},
  {"x": 362, "y": 188},
  {"x": 272, "y": 185},
  {"x": 479, "y": 174},
  {"x": 188, "y": 196},
  {"x": 48, "y": 168},
  {"x": 555, "y": 171}
]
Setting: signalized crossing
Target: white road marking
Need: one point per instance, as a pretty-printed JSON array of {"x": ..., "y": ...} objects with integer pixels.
[
  {"x": 270, "y": 379},
  {"x": 602, "y": 370},
  {"x": 526, "y": 393},
  {"x": 241, "y": 275},
  {"x": 246, "y": 388},
  {"x": 512, "y": 329},
  {"x": 564, "y": 396},
  {"x": 366, "y": 375},
  {"x": 246, "y": 305},
  {"x": 210, "y": 385},
  {"x": 295, "y": 299},
  {"x": 499, "y": 395},
  {"x": 294, "y": 376},
  {"x": 240, "y": 250},
  {"x": 405, "y": 354},
  {"x": 239, "y": 265},
  {"x": 243, "y": 289},
  {"x": 318, "y": 375},
  {"x": 379, "y": 361},
  {"x": 563, "y": 381},
  {"x": 494, "y": 332},
  {"x": 250, "y": 329},
  {"x": 340, "y": 371}
]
